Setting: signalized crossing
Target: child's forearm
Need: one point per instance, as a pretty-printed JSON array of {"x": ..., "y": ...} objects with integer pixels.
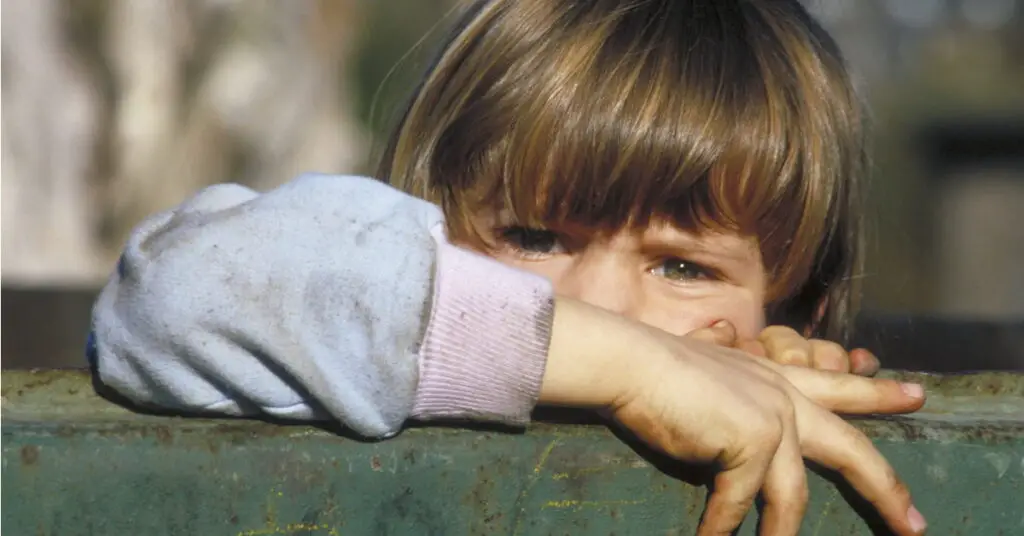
[
  {"x": 589, "y": 357},
  {"x": 318, "y": 301}
]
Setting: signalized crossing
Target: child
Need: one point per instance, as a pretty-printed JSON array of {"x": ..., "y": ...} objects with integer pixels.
[{"x": 678, "y": 165}]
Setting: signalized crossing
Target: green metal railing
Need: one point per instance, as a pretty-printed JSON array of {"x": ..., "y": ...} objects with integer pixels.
[{"x": 75, "y": 463}]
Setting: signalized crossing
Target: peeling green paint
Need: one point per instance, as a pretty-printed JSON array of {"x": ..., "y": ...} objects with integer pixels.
[{"x": 74, "y": 463}]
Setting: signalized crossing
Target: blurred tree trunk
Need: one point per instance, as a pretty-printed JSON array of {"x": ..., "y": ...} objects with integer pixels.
[
  {"x": 50, "y": 128},
  {"x": 185, "y": 94}
]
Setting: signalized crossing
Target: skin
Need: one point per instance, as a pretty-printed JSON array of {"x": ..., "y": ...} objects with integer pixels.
[
  {"x": 767, "y": 417},
  {"x": 692, "y": 306},
  {"x": 662, "y": 276},
  {"x": 676, "y": 280}
]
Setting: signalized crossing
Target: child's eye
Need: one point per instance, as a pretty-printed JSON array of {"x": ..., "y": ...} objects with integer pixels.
[
  {"x": 531, "y": 241},
  {"x": 677, "y": 269}
]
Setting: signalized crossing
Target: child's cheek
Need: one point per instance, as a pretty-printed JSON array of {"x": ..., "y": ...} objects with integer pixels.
[
  {"x": 684, "y": 316},
  {"x": 760, "y": 322}
]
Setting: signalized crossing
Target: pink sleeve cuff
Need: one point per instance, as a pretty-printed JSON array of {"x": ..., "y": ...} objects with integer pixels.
[{"x": 486, "y": 344}]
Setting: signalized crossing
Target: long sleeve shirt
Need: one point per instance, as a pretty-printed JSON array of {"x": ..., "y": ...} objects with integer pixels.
[{"x": 330, "y": 297}]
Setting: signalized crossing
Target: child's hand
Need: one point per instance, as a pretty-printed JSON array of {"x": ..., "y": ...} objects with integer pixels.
[
  {"x": 704, "y": 402},
  {"x": 785, "y": 346}
]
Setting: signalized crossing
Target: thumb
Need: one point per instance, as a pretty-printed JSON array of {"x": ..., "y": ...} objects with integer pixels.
[{"x": 722, "y": 333}]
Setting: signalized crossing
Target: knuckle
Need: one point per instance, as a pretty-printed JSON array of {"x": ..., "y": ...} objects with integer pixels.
[
  {"x": 802, "y": 494},
  {"x": 797, "y": 496},
  {"x": 896, "y": 486},
  {"x": 860, "y": 443},
  {"x": 787, "y": 409},
  {"x": 830, "y": 356},
  {"x": 785, "y": 413},
  {"x": 792, "y": 356},
  {"x": 778, "y": 399},
  {"x": 767, "y": 432},
  {"x": 854, "y": 437},
  {"x": 829, "y": 349},
  {"x": 773, "y": 332}
]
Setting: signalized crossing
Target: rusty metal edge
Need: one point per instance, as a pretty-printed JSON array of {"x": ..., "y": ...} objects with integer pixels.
[{"x": 984, "y": 407}]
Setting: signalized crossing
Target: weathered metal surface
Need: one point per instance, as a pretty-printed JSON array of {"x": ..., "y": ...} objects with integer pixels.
[{"x": 74, "y": 463}]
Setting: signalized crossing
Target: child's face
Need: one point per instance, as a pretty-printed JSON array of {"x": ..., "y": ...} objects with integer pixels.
[{"x": 666, "y": 277}]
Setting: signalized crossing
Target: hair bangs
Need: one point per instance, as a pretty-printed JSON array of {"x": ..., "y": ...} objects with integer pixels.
[
  {"x": 605, "y": 115},
  {"x": 613, "y": 132}
]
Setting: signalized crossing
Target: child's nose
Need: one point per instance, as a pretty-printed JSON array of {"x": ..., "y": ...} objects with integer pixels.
[{"x": 605, "y": 282}]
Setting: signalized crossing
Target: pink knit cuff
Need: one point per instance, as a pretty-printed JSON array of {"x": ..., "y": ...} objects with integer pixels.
[{"x": 487, "y": 340}]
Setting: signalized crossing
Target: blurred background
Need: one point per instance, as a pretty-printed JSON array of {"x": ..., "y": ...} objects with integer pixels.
[{"x": 115, "y": 109}]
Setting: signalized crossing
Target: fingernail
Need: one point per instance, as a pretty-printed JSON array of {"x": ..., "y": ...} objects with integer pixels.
[
  {"x": 720, "y": 324},
  {"x": 917, "y": 522},
  {"x": 912, "y": 390}
]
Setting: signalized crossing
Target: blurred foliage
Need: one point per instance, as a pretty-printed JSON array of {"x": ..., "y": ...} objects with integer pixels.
[
  {"x": 951, "y": 72},
  {"x": 397, "y": 40}
]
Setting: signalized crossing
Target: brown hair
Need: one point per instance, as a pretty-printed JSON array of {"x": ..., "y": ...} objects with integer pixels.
[{"x": 734, "y": 115}]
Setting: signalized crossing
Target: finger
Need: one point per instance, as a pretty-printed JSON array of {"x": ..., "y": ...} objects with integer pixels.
[
  {"x": 736, "y": 486},
  {"x": 827, "y": 355},
  {"x": 752, "y": 346},
  {"x": 785, "y": 346},
  {"x": 722, "y": 333},
  {"x": 855, "y": 395},
  {"x": 863, "y": 362},
  {"x": 837, "y": 445},
  {"x": 785, "y": 487}
]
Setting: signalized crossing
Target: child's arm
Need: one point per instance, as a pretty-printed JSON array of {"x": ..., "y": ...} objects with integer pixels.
[
  {"x": 330, "y": 298},
  {"x": 327, "y": 298}
]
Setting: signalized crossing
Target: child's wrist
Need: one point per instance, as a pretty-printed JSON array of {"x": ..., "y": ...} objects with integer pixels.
[{"x": 593, "y": 357}]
